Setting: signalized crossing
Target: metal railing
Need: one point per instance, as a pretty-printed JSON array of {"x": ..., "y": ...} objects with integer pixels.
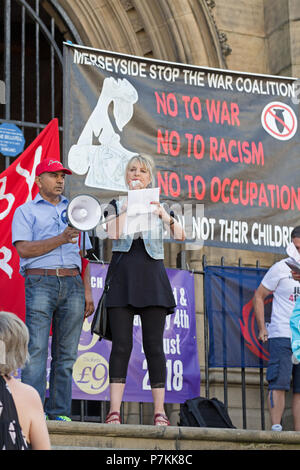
[
  {"x": 32, "y": 65},
  {"x": 225, "y": 370}
]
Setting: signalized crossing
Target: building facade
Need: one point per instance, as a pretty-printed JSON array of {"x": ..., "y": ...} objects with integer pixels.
[{"x": 257, "y": 36}]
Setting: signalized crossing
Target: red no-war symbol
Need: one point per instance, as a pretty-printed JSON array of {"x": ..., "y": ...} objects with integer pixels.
[{"x": 279, "y": 120}]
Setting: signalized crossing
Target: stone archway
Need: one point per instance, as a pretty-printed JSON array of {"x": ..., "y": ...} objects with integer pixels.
[{"x": 174, "y": 30}]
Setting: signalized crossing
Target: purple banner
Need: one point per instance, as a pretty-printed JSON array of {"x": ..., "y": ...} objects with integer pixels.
[
  {"x": 91, "y": 369},
  {"x": 90, "y": 373}
]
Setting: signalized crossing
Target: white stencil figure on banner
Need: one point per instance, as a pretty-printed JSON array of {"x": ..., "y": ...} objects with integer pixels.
[{"x": 105, "y": 162}]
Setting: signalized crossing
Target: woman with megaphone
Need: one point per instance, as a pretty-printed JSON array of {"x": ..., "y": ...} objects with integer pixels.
[{"x": 139, "y": 285}]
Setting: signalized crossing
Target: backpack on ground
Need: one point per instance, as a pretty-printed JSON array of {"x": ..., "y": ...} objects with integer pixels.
[{"x": 204, "y": 412}]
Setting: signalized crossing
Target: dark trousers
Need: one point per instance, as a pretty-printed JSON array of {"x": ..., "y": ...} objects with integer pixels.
[{"x": 153, "y": 324}]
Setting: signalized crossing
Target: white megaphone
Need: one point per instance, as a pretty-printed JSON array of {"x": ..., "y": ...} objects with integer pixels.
[{"x": 84, "y": 212}]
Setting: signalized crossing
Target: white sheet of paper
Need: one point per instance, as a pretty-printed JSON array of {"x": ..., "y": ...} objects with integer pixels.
[
  {"x": 140, "y": 215},
  {"x": 293, "y": 252},
  {"x": 293, "y": 265}
]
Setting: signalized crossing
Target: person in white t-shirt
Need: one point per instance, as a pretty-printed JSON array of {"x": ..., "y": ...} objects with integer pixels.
[{"x": 279, "y": 281}]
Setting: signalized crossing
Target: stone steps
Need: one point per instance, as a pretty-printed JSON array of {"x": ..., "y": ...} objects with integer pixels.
[{"x": 98, "y": 436}]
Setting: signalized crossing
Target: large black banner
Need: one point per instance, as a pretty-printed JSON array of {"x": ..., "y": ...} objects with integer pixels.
[{"x": 225, "y": 143}]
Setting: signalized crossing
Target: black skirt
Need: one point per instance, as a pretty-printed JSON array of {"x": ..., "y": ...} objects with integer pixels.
[{"x": 139, "y": 280}]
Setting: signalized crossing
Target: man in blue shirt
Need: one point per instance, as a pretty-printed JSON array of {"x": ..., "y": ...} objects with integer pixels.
[{"x": 55, "y": 294}]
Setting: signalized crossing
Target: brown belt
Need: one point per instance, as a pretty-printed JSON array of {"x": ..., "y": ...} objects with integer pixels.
[{"x": 60, "y": 272}]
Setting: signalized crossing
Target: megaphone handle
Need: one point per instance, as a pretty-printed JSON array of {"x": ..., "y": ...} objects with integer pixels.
[{"x": 83, "y": 244}]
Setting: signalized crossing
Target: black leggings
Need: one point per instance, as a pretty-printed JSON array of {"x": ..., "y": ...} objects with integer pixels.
[{"x": 153, "y": 324}]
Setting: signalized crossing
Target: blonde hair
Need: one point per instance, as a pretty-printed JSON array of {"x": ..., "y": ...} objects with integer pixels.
[
  {"x": 145, "y": 161},
  {"x": 14, "y": 339}
]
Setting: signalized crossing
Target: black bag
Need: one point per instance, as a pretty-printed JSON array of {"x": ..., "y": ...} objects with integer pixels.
[
  {"x": 204, "y": 412},
  {"x": 100, "y": 323}
]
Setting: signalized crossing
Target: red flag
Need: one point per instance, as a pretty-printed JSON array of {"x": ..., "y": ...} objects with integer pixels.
[{"x": 17, "y": 186}]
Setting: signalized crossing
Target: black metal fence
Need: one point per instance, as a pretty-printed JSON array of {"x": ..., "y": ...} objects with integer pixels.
[
  {"x": 225, "y": 370},
  {"x": 31, "y": 65}
]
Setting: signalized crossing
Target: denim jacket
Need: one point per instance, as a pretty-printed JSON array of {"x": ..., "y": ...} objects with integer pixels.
[{"x": 153, "y": 240}]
